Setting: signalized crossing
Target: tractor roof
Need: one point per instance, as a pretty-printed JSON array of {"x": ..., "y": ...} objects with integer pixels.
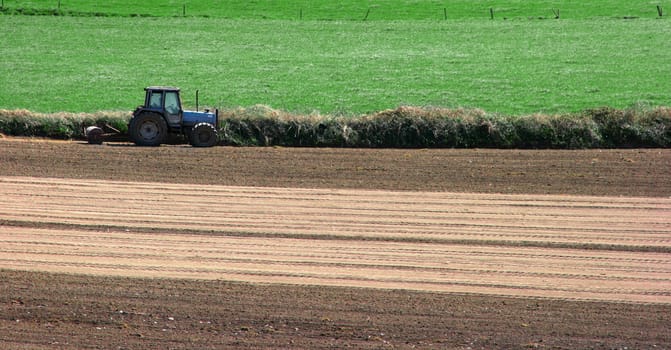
[{"x": 162, "y": 88}]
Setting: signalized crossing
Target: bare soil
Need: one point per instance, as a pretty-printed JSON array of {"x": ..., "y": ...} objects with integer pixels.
[
  {"x": 332, "y": 248},
  {"x": 622, "y": 172}
]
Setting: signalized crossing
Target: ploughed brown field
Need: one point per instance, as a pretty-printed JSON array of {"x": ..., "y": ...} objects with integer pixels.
[{"x": 123, "y": 247}]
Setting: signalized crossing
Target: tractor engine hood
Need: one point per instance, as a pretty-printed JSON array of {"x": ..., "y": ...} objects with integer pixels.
[{"x": 191, "y": 118}]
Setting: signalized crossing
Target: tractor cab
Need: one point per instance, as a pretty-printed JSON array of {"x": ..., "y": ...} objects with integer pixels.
[{"x": 165, "y": 101}]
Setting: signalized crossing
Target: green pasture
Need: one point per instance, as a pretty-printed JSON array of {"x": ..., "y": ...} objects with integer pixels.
[
  {"x": 352, "y": 9},
  {"x": 403, "y": 54}
]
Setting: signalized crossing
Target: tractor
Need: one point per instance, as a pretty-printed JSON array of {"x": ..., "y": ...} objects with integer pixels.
[{"x": 162, "y": 114}]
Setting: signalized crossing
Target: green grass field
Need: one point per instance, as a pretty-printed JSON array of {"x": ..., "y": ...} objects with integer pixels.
[
  {"x": 352, "y": 9},
  {"x": 404, "y": 54}
]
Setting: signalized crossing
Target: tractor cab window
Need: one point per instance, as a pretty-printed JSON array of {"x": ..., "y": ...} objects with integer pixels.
[
  {"x": 171, "y": 102},
  {"x": 156, "y": 100}
]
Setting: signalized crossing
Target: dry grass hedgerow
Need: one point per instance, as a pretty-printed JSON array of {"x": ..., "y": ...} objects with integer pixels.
[
  {"x": 402, "y": 127},
  {"x": 61, "y": 125}
]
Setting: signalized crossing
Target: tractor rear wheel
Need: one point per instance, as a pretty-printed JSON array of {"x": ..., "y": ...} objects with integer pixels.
[
  {"x": 203, "y": 135},
  {"x": 147, "y": 129}
]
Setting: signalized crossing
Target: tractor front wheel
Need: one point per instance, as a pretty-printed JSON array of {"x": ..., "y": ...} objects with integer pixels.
[
  {"x": 204, "y": 135},
  {"x": 147, "y": 129}
]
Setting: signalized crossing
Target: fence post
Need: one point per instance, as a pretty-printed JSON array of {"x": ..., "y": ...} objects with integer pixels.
[
  {"x": 659, "y": 10},
  {"x": 367, "y": 13}
]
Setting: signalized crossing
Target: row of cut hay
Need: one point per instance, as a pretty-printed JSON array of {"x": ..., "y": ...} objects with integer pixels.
[
  {"x": 60, "y": 125},
  {"x": 427, "y": 127},
  {"x": 403, "y": 127}
]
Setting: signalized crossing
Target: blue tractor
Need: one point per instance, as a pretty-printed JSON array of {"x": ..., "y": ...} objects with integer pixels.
[{"x": 162, "y": 114}]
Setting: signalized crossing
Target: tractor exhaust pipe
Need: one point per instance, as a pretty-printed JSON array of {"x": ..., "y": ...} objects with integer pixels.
[{"x": 196, "y": 100}]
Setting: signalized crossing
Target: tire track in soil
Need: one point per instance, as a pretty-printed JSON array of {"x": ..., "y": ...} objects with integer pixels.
[{"x": 439, "y": 242}]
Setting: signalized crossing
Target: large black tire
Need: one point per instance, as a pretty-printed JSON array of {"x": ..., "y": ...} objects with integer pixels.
[
  {"x": 204, "y": 135},
  {"x": 147, "y": 129}
]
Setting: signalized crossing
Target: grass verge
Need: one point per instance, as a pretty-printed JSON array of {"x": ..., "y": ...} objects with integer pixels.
[
  {"x": 403, "y": 127},
  {"x": 58, "y": 125}
]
